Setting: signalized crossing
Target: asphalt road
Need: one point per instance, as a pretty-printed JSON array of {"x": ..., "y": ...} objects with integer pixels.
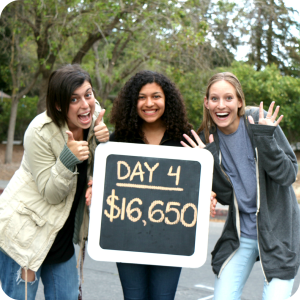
[{"x": 101, "y": 279}]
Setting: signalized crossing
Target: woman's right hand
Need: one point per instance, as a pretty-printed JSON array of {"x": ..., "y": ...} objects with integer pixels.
[
  {"x": 88, "y": 193},
  {"x": 79, "y": 148},
  {"x": 213, "y": 203},
  {"x": 200, "y": 145}
]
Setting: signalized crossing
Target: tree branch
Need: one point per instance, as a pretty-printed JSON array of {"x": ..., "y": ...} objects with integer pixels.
[{"x": 94, "y": 38}]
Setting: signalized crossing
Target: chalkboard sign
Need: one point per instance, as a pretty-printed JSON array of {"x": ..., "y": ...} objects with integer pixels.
[{"x": 150, "y": 204}]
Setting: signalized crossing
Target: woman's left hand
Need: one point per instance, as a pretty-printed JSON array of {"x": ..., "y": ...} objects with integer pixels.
[
  {"x": 88, "y": 193},
  {"x": 270, "y": 119},
  {"x": 100, "y": 129}
]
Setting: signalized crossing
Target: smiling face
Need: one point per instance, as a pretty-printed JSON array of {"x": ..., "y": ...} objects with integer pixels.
[
  {"x": 223, "y": 104},
  {"x": 151, "y": 103},
  {"x": 81, "y": 108}
]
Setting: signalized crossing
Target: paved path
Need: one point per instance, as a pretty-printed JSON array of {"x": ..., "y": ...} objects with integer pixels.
[{"x": 101, "y": 280}]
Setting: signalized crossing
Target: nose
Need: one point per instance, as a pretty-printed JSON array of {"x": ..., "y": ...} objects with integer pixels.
[
  {"x": 221, "y": 104},
  {"x": 149, "y": 102},
  {"x": 84, "y": 103}
]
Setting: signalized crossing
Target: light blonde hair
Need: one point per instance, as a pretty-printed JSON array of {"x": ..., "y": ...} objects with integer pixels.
[{"x": 207, "y": 122}]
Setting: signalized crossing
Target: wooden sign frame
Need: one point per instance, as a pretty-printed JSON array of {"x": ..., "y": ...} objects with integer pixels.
[{"x": 202, "y": 156}]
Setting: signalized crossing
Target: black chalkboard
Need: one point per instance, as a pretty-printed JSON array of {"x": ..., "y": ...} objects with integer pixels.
[{"x": 133, "y": 221}]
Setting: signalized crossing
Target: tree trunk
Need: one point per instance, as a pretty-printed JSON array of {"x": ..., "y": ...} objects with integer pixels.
[
  {"x": 11, "y": 130},
  {"x": 258, "y": 41},
  {"x": 270, "y": 35},
  {"x": 41, "y": 107}
]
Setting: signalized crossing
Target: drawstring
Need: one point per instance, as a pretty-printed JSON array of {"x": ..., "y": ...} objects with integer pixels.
[
  {"x": 78, "y": 257},
  {"x": 25, "y": 283}
]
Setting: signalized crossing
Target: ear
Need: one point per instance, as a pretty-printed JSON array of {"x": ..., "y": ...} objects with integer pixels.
[
  {"x": 206, "y": 103},
  {"x": 240, "y": 103},
  {"x": 57, "y": 107}
]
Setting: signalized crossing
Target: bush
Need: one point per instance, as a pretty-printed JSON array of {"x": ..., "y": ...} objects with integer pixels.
[{"x": 27, "y": 108}]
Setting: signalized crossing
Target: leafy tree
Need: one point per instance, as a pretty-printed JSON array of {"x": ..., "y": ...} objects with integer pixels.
[
  {"x": 56, "y": 25},
  {"x": 18, "y": 69},
  {"x": 144, "y": 45},
  {"x": 25, "y": 113},
  {"x": 267, "y": 85},
  {"x": 270, "y": 85},
  {"x": 271, "y": 40}
]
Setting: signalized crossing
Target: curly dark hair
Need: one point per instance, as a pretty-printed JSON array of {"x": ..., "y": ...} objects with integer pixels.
[{"x": 124, "y": 114}]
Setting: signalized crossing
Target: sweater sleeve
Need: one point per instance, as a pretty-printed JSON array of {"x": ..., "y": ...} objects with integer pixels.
[{"x": 68, "y": 159}]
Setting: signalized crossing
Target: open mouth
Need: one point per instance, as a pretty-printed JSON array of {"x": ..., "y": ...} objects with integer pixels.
[
  {"x": 85, "y": 118},
  {"x": 222, "y": 116}
]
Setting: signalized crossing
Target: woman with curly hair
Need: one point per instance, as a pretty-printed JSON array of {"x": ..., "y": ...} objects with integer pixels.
[{"x": 149, "y": 110}]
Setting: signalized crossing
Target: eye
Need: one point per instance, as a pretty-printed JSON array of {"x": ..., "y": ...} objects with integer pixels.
[
  {"x": 73, "y": 100},
  {"x": 229, "y": 97},
  {"x": 156, "y": 96},
  {"x": 141, "y": 97},
  {"x": 214, "y": 98},
  {"x": 89, "y": 93}
]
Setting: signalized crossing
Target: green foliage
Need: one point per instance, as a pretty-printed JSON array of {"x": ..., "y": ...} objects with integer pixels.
[
  {"x": 26, "y": 112},
  {"x": 192, "y": 87},
  {"x": 270, "y": 85},
  {"x": 267, "y": 86}
]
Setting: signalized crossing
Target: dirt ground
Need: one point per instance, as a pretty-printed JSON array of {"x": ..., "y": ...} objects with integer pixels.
[{"x": 7, "y": 170}]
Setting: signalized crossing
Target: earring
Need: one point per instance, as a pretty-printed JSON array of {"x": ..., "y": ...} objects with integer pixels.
[{"x": 59, "y": 109}]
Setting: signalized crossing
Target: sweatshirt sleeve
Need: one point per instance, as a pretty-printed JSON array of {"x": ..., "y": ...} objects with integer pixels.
[{"x": 275, "y": 154}]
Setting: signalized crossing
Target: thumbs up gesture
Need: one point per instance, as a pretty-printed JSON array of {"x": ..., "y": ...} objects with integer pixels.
[
  {"x": 79, "y": 148},
  {"x": 100, "y": 129}
]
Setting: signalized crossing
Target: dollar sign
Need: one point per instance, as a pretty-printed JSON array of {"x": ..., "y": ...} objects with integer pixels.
[{"x": 111, "y": 201}]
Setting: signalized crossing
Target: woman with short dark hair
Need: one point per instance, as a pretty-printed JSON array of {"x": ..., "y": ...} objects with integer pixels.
[{"x": 43, "y": 209}]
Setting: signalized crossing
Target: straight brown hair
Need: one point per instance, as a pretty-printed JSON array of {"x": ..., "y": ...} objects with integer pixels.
[
  {"x": 207, "y": 122},
  {"x": 62, "y": 83}
]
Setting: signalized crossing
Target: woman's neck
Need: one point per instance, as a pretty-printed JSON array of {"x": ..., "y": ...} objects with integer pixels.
[
  {"x": 153, "y": 132},
  {"x": 77, "y": 134}
]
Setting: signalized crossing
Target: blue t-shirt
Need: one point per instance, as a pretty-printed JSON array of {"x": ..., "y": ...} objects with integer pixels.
[{"x": 238, "y": 162}]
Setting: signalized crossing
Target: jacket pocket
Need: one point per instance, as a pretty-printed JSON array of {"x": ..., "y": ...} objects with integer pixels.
[
  {"x": 23, "y": 226},
  {"x": 275, "y": 254}
]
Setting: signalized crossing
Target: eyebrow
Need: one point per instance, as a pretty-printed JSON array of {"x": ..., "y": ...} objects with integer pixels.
[
  {"x": 226, "y": 94},
  {"x": 152, "y": 93},
  {"x": 84, "y": 92}
]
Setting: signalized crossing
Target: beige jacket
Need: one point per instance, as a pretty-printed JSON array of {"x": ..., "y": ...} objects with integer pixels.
[{"x": 38, "y": 199}]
